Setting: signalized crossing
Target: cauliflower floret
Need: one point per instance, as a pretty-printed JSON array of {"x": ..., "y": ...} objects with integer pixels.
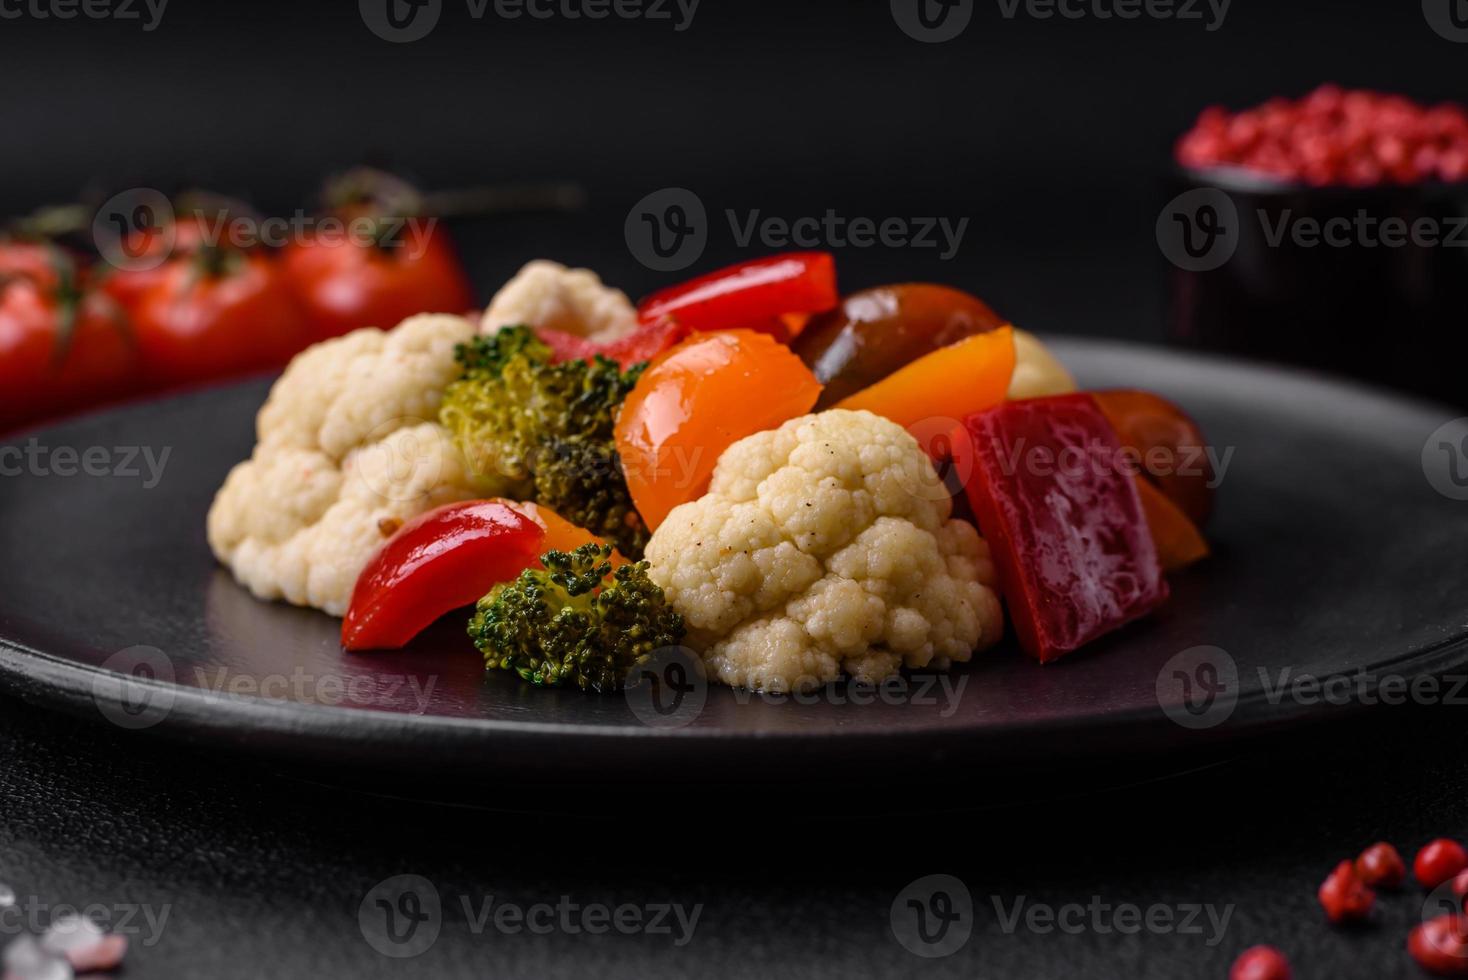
[
  {"x": 547, "y": 294},
  {"x": 347, "y": 451},
  {"x": 1037, "y": 372},
  {"x": 826, "y": 547}
]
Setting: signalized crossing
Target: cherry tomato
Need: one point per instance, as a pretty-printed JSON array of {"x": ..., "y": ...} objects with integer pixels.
[
  {"x": 697, "y": 400},
  {"x": 59, "y": 353},
  {"x": 343, "y": 283},
  {"x": 38, "y": 261},
  {"x": 749, "y": 295},
  {"x": 1439, "y": 861},
  {"x": 1169, "y": 445},
  {"x": 214, "y": 315},
  {"x": 877, "y": 331},
  {"x": 151, "y": 247},
  {"x": 436, "y": 563}
]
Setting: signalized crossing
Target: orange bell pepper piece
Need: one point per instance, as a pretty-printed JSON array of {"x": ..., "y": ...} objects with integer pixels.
[
  {"x": 560, "y": 534},
  {"x": 952, "y": 382},
  {"x": 1178, "y": 540}
]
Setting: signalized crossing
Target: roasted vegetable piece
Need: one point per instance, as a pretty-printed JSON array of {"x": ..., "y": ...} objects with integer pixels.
[
  {"x": 575, "y": 622},
  {"x": 697, "y": 400},
  {"x": 1170, "y": 445},
  {"x": 560, "y": 534},
  {"x": 548, "y": 428},
  {"x": 438, "y": 562},
  {"x": 950, "y": 383},
  {"x": 876, "y": 331},
  {"x": 750, "y": 295},
  {"x": 643, "y": 344},
  {"x": 1064, "y": 520},
  {"x": 1179, "y": 543}
]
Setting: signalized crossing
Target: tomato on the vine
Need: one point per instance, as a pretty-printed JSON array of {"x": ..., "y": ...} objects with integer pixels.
[
  {"x": 60, "y": 349},
  {"x": 343, "y": 282},
  {"x": 215, "y": 314},
  {"x": 146, "y": 255}
]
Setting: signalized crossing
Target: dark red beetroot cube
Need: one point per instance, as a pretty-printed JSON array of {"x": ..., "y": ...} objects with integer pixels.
[{"x": 1058, "y": 505}]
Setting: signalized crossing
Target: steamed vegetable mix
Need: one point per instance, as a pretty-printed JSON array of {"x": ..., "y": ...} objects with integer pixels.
[
  {"x": 547, "y": 429},
  {"x": 788, "y": 502},
  {"x": 576, "y": 621}
]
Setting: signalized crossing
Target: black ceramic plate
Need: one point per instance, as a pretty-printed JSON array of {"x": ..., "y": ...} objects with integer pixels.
[{"x": 1336, "y": 557}]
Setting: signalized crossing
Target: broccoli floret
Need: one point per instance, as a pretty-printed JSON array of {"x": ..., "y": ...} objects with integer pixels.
[
  {"x": 575, "y": 621},
  {"x": 548, "y": 428}
]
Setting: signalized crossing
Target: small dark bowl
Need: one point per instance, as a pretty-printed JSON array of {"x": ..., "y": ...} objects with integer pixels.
[{"x": 1373, "y": 304}]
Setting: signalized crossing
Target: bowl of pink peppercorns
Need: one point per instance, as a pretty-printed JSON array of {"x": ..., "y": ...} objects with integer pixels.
[{"x": 1298, "y": 228}]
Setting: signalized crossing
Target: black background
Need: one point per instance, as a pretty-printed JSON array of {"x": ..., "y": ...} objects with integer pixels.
[{"x": 1051, "y": 136}]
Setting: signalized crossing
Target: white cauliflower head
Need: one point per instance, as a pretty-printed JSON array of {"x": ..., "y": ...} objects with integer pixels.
[
  {"x": 547, "y": 294},
  {"x": 347, "y": 451},
  {"x": 822, "y": 547}
]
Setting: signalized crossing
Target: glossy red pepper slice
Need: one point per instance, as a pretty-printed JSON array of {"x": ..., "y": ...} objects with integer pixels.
[
  {"x": 1052, "y": 494},
  {"x": 438, "y": 562},
  {"x": 643, "y": 344},
  {"x": 750, "y": 295}
]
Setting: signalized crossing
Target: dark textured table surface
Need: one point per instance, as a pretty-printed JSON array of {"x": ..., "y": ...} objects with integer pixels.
[{"x": 228, "y": 870}]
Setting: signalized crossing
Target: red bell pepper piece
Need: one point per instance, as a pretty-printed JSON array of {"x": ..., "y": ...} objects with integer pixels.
[
  {"x": 1070, "y": 540},
  {"x": 438, "y": 562},
  {"x": 750, "y": 295},
  {"x": 643, "y": 344}
]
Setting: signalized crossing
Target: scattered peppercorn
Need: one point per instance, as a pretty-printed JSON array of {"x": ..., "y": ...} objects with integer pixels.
[
  {"x": 1440, "y": 861},
  {"x": 1260, "y": 963},
  {"x": 1440, "y": 945},
  {"x": 1381, "y": 866},
  {"x": 1344, "y": 896}
]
